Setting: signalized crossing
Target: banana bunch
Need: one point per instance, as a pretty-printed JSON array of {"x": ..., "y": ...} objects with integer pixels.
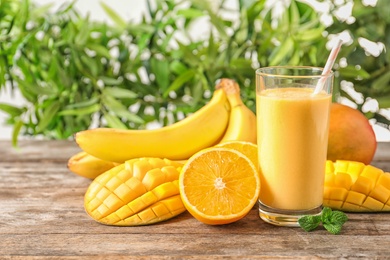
[
  {"x": 224, "y": 118},
  {"x": 88, "y": 166},
  {"x": 242, "y": 121}
]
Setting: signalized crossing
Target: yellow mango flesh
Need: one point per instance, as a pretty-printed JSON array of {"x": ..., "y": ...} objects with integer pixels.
[
  {"x": 138, "y": 192},
  {"x": 355, "y": 187},
  {"x": 160, "y": 211}
]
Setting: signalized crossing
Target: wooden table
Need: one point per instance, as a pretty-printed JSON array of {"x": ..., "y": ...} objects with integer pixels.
[{"x": 42, "y": 217}]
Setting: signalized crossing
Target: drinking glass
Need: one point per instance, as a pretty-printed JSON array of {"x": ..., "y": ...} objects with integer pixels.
[{"x": 292, "y": 133}]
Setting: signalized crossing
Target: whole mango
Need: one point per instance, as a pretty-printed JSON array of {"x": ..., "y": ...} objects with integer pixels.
[{"x": 351, "y": 136}]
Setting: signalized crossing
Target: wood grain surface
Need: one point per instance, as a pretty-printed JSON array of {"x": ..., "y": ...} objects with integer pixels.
[{"x": 42, "y": 217}]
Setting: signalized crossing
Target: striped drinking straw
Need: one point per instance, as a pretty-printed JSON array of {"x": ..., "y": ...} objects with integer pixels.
[{"x": 328, "y": 66}]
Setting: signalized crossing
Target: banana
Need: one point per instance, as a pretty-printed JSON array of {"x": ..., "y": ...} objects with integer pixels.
[
  {"x": 88, "y": 166},
  {"x": 242, "y": 120},
  {"x": 178, "y": 141}
]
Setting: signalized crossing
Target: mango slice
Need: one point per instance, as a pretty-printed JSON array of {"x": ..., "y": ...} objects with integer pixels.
[
  {"x": 355, "y": 187},
  {"x": 138, "y": 192}
]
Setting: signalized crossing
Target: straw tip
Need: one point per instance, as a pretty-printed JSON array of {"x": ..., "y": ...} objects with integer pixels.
[{"x": 339, "y": 42}]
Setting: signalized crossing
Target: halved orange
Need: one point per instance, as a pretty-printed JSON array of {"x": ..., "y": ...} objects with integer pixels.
[
  {"x": 219, "y": 185},
  {"x": 247, "y": 148}
]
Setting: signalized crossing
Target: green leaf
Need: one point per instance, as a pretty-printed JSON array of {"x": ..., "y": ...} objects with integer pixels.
[
  {"x": 114, "y": 122},
  {"x": 281, "y": 52},
  {"x": 215, "y": 19},
  {"x": 190, "y": 13},
  {"x": 186, "y": 53},
  {"x": 113, "y": 104},
  {"x": 326, "y": 215},
  {"x": 117, "y": 92},
  {"x": 310, "y": 35},
  {"x": 312, "y": 55},
  {"x": 91, "y": 65},
  {"x": 85, "y": 103},
  {"x": 360, "y": 11},
  {"x": 382, "y": 120},
  {"x": 256, "y": 5},
  {"x": 40, "y": 10},
  {"x": 80, "y": 111},
  {"x": 160, "y": 68},
  {"x": 48, "y": 114},
  {"x": 82, "y": 36},
  {"x": 353, "y": 73},
  {"x": 152, "y": 13},
  {"x": 383, "y": 8},
  {"x": 177, "y": 67},
  {"x": 54, "y": 71},
  {"x": 309, "y": 223},
  {"x": 117, "y": 108},
  {"x": 294, "y": 14},
  {"x": 338, "y": 217},
  {"x": 140, "y": 29},
  {"x": 384, "y": 101},
  {"x": 331, "y": 220},
  {"x": 13, "y": 111},
  {"x": 295, "y": 58},
  {"x": 143, "y": 42},
  {"x": 382, "y": 83},
  {"x": 114, "y": 16},
  {"x": 15, "y": 132},
  {"x": 35, "y": 89},
  {"x": 99, "y": 49},
  {"x": 180, "y": 81},
  {"x": 165, "y": 45},
  {"x": 241, "y": 63},
  {"x": 111, "y": 81},
  {"x": 212, "y": 48},
  {"x": 333, "y": 228}
]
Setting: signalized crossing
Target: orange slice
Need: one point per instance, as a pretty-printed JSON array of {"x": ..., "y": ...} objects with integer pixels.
[
  {"x": 219, "y": 185},
  {"x": 247, "y": 148}
]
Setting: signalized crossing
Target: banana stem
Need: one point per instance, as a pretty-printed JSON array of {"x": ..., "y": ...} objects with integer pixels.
[{"x": 232, "y": 90}]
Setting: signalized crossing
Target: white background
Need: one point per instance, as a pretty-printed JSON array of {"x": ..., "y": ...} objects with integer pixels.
[{"x": 129, "y": 10}]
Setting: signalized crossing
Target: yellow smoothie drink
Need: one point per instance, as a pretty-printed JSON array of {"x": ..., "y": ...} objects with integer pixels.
[{"x": 292, "y": 142}]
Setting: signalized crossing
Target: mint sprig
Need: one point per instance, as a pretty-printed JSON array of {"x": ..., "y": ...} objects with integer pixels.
[{"x": 331, "y": 221}]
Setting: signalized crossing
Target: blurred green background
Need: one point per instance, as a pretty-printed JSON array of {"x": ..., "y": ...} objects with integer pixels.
[{"x": 74, "y": 72}]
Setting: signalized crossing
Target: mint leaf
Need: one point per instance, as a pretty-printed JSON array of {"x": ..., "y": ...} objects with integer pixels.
[
  {"x": 309, "y": 223},
  {"x": 334, "y": 221},
  {"x": 331, "y": 220},
  {"x": 338, "y": 217},
  {"x": 326, "y": 215},
  {"x": 333, "y": 228}
]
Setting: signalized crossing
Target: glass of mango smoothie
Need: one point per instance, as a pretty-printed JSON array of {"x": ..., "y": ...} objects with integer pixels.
[{"x": 292, "y": 125}]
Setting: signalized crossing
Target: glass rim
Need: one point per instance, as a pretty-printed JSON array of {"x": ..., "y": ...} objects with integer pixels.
[{"x": 260, "y": 71}]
